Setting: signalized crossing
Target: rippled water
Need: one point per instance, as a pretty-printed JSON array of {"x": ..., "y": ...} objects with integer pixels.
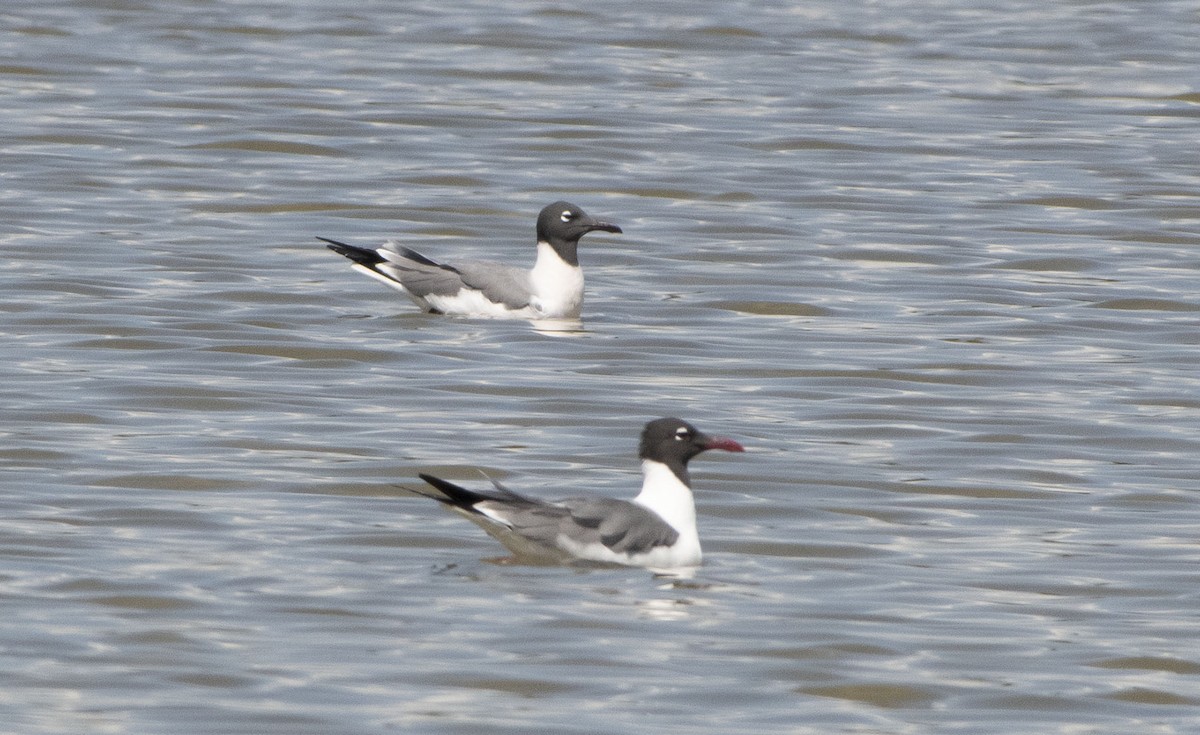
[{"x": 935, "y": 264}]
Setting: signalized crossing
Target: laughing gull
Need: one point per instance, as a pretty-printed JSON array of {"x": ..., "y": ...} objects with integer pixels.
[
  {"x": 553, "y": 289},
  {"x": 657, "y": 529}
]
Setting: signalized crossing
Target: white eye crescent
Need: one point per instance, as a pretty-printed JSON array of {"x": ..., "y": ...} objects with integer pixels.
[{"x": 567, "y": 215}]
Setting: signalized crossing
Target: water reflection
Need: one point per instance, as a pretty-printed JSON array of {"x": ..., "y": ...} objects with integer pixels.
[
  {"x": 665, "y": 609},
  {"x": 559, "y": 327}
]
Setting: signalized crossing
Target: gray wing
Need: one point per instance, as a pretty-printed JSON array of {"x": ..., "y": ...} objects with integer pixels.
[
  {"x": 533, "y": 527},
  {"x": 422, "y": 276},
  {"x": 419, "y": 275},
  {"x": 624, "y": 527},
  {"x": 500, "y": 283},
  {"x": 536, "y": 520}
]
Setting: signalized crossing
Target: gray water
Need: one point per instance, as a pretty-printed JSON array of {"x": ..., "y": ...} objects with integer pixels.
[{"x": 935, "y": 264}]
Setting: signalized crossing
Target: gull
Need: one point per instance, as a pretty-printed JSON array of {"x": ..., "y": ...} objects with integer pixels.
[
  {"x": 656, "y": 529},
  {"x": 552, "y": 289}
]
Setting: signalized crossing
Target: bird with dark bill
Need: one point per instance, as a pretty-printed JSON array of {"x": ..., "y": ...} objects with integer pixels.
[
  {"x": 656, "y": 530},
  {"x": 552, "y": 289}
]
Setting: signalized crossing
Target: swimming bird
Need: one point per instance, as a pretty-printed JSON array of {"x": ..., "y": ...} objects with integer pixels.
[
  {"x": 657, "y": 529},
  {"x": 552, "y": 289}
]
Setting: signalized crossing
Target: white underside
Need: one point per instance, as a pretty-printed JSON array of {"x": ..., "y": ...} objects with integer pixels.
[
  {"x": 659, "y": 559},
  {"x": 469, "y": 302}
]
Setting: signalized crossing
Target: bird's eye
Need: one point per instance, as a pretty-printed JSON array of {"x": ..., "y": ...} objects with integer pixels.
[
  {"x": 682, "y": 433},
  {"x": 567, "y": 215}
]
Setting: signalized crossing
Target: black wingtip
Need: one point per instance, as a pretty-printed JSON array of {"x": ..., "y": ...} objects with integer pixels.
[
  {"x": 416, "y": 257},
  {"x": 340, "y": 248},
  {"x": 362, "y": 256},
  {"x": 455, "y": 495}
]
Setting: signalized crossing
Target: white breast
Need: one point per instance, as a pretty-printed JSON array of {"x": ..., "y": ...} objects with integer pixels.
[
  {"x": 557, "y": 286},
  {"x": 664, "y": 493}
]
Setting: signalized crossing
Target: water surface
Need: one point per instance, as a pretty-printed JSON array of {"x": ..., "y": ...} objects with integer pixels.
[{"x": 935, "y": 265}]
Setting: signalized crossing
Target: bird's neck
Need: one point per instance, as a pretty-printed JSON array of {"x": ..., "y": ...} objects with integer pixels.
[
  {"x": 668, "y": 495},
  {"x": 568, "y": 252}
]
